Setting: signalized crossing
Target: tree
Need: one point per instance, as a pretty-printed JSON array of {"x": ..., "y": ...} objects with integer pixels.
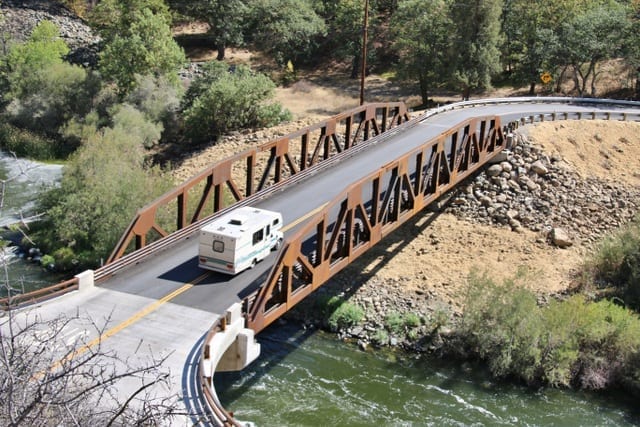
[
  {"x": 25, "y": 61},
  {"x": 421, "y": 33},
  {"x": 48, "y": 379},
  {"x": 224, "y": 99},
  {"x": 138, "y": 41},
  {"x": 226, "y": 18},
  {"x": 44, "y": 91},
  {"x": 345, "y": 20},
  {"x": 590, "y": 37},
  {"x": 102, "y": 185},
  {"x": 287, "y": 29},
  {"x": 475, "y": 56}
]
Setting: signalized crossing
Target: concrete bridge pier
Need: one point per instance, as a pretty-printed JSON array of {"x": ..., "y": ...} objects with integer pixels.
[{"x": 233, "y": 347}]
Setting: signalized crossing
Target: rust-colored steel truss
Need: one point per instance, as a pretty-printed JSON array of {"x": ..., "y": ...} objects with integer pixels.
[
  {"x": 259, "y": 168},
  {"x": 368, "y": 210}
]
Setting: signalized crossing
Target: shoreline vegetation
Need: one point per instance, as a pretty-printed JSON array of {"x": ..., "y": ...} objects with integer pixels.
[
  {"x": 585, "y": 338},
  {"x": 584, "y": 335}
]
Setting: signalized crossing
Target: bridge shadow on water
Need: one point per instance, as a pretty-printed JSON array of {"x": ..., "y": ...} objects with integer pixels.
[{"x": 283, "y": 337}]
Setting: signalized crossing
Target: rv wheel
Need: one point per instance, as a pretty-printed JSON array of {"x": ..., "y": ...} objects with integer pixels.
[{"x": 278, "y": 245}]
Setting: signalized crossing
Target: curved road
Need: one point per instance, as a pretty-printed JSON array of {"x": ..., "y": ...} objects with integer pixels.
[{"x": 166, "y": 304}]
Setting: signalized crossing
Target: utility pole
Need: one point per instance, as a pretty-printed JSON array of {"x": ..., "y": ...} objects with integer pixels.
[{"x": 363, "y": 69}]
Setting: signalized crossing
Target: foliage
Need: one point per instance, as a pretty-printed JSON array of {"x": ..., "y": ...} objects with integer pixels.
[
  {"x": 57, "y": 94},
  {"x": 394, "y": 323},
  {"x": 474, "y": 57},
  {"x": 227, "y": 19},
  {"x": 138, "y": 41},
  {"x": 345, "y": 20},
  {"x": 157, "y": 98},
  {"x": 421, "y": 34},
  {"x": 224, "y": 99},
  {"x": 286, "y": 29},
  {"x": 592, "y": 36},
  {"x": 592, "y": 345},
  {"x": 616, "y": 264},
  {"x": 344, "y": 314},
  {"x": 102, "y": 186},
  {"x": 380, "y": 338},
  {"x": 24, "y": 143},
  {"x": 43, "y": 49}
]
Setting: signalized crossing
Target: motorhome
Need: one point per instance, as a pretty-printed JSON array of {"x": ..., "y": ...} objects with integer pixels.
[{"x": 239, "y": 239}]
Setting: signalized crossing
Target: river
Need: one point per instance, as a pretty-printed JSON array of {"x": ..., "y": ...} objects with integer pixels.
[
  {"x": 24, "y": 180},
  {"x": 308, "y": 378}
]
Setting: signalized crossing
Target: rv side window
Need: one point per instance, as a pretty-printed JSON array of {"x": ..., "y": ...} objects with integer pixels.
[
  {"x": 268, "y": 229},
  {"x": 276, "y": 221},
  {"x": 218, "y": 246},
  {"x": 258, "y": 236}
]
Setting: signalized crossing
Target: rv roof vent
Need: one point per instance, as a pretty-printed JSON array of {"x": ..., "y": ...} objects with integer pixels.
[{"x": 235, "y": 221}]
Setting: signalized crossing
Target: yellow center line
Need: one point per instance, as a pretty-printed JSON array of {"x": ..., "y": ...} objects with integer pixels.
[
  {"x": 131, "y": 320},
  {"x": 302, "y": 218}
]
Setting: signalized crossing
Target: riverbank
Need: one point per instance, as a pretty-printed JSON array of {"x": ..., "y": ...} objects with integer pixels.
[{"x": 575, "y": 183}]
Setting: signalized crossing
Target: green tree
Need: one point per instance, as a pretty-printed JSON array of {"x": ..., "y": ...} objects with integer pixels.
[
  {"x": 474, "y": 55},
  {"x": 44, "y": 91},
  {"x": 421, "y": 33},
  {"x": 345, "y": 19},
  {"x": 224, "y": 99},
  {"x": 103, "y": 184},
  {"x": 287, "y": 29},
  {"x": 25, "y": 61},
  {"x": 227, "y": 19},
  {"x": 138, "y": 41},
  {"x": 592, "y": 36}
]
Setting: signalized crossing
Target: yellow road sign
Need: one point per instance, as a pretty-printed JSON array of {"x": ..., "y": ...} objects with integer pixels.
[{"x": 545, "y": 77}]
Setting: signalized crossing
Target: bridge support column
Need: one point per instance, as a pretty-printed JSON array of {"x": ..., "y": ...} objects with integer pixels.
[
  {"x": 233, "y": 348},
  {"x": 85, "y": 280}
]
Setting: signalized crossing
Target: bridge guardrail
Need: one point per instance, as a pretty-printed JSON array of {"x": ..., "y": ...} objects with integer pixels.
[{"x": 34, "y": 297}]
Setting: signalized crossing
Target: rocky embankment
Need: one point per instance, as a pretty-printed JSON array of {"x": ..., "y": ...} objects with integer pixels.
[{"x": 524, "y": 190}]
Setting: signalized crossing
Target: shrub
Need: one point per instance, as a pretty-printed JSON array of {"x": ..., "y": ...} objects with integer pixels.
[
  {"x": 103, "y": 184},
  {"x": 412, "y": 320},
  {"x": 380, "y": 338},
  {"x": 394, "y": 323},
  {"x": 57, "y": 93},
  {"x": 224, "y": 100},
  {"x": 345, "y": 316},
  {"x": 24, "y": 143},
  {"x": 616, "y": 264},
  {"x": 575, "y": 341}
]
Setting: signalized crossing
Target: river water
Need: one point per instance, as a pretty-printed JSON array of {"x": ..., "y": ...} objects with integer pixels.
[
  {"x": 23, "y": 180},
  {"x": 307, "y": 378}
]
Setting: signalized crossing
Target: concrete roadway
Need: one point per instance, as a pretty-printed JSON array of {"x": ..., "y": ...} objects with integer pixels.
[{"x": 166, "y": 304}]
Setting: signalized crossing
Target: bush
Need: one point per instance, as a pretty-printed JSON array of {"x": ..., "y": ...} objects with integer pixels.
[
  {"x": 412, "y": 320},
  {"x": 24, "y": 143},
  {"x": 380, "y": 338},
  {"x": 616, "y": 264},
  {"x": 573, "y": 342},
  {"x": 345, "y": 316},
  {"x": 57, "y": 93},
  {"x": 103, "y": 184},
  {"x": 394, "y": 323},
  {"x": 224, "y": 100}
]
